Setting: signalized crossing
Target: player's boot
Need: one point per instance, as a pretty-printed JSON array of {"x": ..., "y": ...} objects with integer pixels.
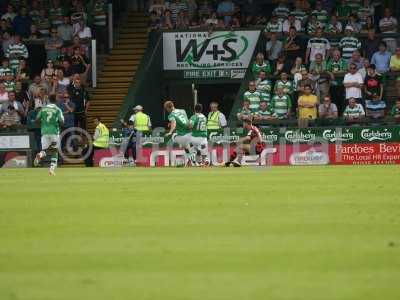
[
  {"x": 38, "y": 158},
  {"x": 228, "y": 164},
  {"x": 236, "y": 163}
]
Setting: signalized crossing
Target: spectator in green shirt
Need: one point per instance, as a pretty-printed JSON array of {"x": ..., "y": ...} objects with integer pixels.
[
  {"x": 260, "y": 64},
  {"x": 395, "y": 112}
]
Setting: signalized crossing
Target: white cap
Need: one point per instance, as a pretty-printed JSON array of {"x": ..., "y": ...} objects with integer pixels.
[
  {"x": 138, "y": 107},
  {"x": 348, "y": 27}
]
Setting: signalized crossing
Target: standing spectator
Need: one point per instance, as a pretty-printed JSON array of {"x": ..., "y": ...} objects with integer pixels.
[
  {"x": 353, "y": 23},
  {"x": 354, "y": 112},
  {"x": 34, "y": 11},
  {"x": 356, "y": 59},
  {"x": 320, "y": 13},
  {"x": 10, "y": 14},
  {"x": 395, "y": 61},
  {"x": 83, "y": 31},
  {"x": 375, "y": 108},
  {"x": 327, "y": 110},
  {"x": 316, "y": 45},
  {"x": 290, "y": 22},
  {"x": 80, "y": 64},
  {"x": 281, "y": 11},
  {"x": 300, "y": 14},
  {"x": 245, "y": 113},
  {"x": 10, "y": 118},
  {"x": 285, "y": 84},
  {"x": 61, "y": 83},
  {"x": 274, "y": 47},
  {"x": 37, "y": 85},
  {"x": 3, "y": 94},
  {"x": 67, "y": 108},
  {"x": 260, "y": 64},
  {"x": 349, "y": 43},
  {"x": 381, "y": 59},
  {"x": 65, "y": 31},
  {"x": 281, "y": 105},
  {"x": 182, "y": 21},
  {"x": 16, "y": 51},
  {"x": 293, "y": 46},
  {"x": 22, "y": 23},
  {"x": 216, "y": 120},
  {"x": 56, "y": 13},
  {"x": 388, "y": 24},
  {"x": 80, "y": 98},
  {"x": 48, "y": 73},
  {"x": 78, "y": 13},
  {"x": 226, "y": 9},
  {"x": 337, "y": 67},
  {"x": 365, "y": 12},
  {"x": 53, "y": 45},
  {"x": 100, "y": 23},
  {"x": 43, "y": 23},
  {"x": 353, "y": 83},
  {"x": 373, "y": 84},
  {"x": 264, "y": 87},
  {"x": 307, "y": 104},
  {"x": 273, "y": 25},
  {"x": 371, "y": 44},
  {"x": 13, "y": 102},
  {"x": 175, "y": 7},
  {"x": 252, "y": 96}
]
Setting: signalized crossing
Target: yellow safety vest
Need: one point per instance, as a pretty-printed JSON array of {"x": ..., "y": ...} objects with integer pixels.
[
  {"x": 103, "y": 138},
  {"x": 141, "y": 121},
  {"x": 213, "y": 120}
]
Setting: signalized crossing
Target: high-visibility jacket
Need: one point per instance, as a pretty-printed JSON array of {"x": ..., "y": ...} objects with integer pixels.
[
  {"x": 103, "y": 138},
  {"x": 213, "y": 120},
  {"x": 141, "y": 121}
]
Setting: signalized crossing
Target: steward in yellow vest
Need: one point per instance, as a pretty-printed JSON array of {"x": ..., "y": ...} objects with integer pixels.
[
  {"x": 216, "y": 119},
  {"x": 101, "y": 140},
  {"x": 141, "y": 121}
]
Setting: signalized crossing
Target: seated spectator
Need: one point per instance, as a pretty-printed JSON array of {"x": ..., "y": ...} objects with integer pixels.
[
  {"x": 381, "y": 59},
  {"x": 10, "y": 14},
  {"x": 252, "y": 96},
  {"x": 334, "y": 26},
  {"x": 320, "y": 13},
  {"x": 76, "y": 42},
  {"x": 353, "y": 83},
  {"x": 22, "y": 23},
  {"x": 64, "y": 55},
  {"x": 327, "y": 110},
  {"x": 395, "y": 112},
  {"x": 166, "y": 21},
  {"x": 290, "y": 22},
  {"x": 10, "y": 82},
  {"x": 56, "y": 13},
  {"x": 78, "y": 13},
  {"x": 356, "y": 59},
  {"x": 82, "y": 31},
  {"x": 285, "y": 84},
  {"x": 281, "y": 105},
  {"x": 6, "y": 41},
  {"x": 65, "y": 30},
  {"x": 306, "y": 80},
  {"x": 313, "y": 25},
  {"x": 49, "y": 72},
  {"x": 41, "y": 98},
  {"x": 375, "y": 108},
  {"x": 17, "y": 105},
  {"x": 318, "y": 69},
  {"x": 35, "y": 35},
  {"x": 274, "y": 47},
  {"x": 369, "y": 25},
  {"x": 343, "y": 10},
  {"x": 282, "y": 65},
  {"x": 336, "y": 66},
  {"x": 273, "y": 26},
  {"x": 43, "y": 23},
  {"x": 371, "y": 44},
  {"x": 67, "y": 68},
  {"x": 300, "y": 14},
  {"x": 212, "y": 20},
  {"x": 365, "y": 14},
  {"x": 37, "y": 85},
  {"x": 260, "y": 64},
  {"x": 349, "y": 43},
  {"x": 3, "y": 94},
  {"x": 388, "y": 24},
  {"x": 353, "y": 23},
  {"x": 315, "y": 45},
  {"x": 34, "y": 11},
  {"x": 10, "y": 118},
  {"x": 298, "y": 66},
  {"x": 395, "y": 61},
  {"x": 16, "y": 51},
  {"x": 354, "y": 112},
  {"x": 307, "y": 105},
  {"x": 281, "y": 11},
  {"x": 364, "y": 70},
  {"x": 205, "y": 8},
  {"x": 265, "y": 113},
  {"x": 23, "y": 73},
  {"x": 182, "y": 21},
  {"x": 264, "y": 87},
  {"x": 245, "y": 112},
  {"x": 293, "y": 45}
]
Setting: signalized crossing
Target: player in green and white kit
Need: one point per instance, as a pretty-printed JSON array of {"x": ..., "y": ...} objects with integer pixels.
[
  {"x": 179, "y": 121},
  {"x": 198, "y": 123},
  {"x": 50, "y": 118}
]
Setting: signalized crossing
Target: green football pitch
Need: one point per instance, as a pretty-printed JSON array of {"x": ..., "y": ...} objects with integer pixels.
[{"x": 293, "y": 233}]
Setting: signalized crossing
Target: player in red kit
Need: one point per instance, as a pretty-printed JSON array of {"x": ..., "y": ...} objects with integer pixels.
[{"x": 253, "y": 140}]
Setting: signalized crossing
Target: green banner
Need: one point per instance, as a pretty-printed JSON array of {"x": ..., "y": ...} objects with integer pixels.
[{"x": 287, "y": 135}]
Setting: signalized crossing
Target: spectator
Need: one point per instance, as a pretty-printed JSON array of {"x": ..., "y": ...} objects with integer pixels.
[
  {"x": 100, "y": 22},
  {"x": 281, "y": 104},
  {"x": 215, "y": 120},
  {"x": 80, "y": 98},
  {"x": 365, "y": 12},
  {"x": 316, "y": 45},
  {"x": 264, "y": 87},
  {"x": 313, "y": 25},
  {"x": 353, "y": 23},
  {"x": 43, "y": 23},
  {"x": 291, "y": 22},
  {"x": 78, "y": 14},
  {"x": 281, "y": 65},
  {"x": 375, "y": 108},
  {"x": 80, "y": 64},
  {"x": 65, "y": 30},
  {"x": 68, "y": 108},
  {"x": 349, "y": 43},
  {"x": 61, "y": 83},
  {"x": 76, "y": 43},
  {"x": 354, "y": 112},
  {"x": 353, "y": 83},
  {"x": 371, "y": 44},
  {"x": 334, "y": 26},
  {"x": 67, "y": 68},
  {"x": 395, "y": 61},
  {"x": 307, "y": 104},
  {"x": 274, "y": 47},
  {"x": 388, "y": 24},
  {"x": 34, "y": 11},
  {"x": 285, "y": 84},
  {"x": 318, "y": 69},
  {"x": 5, "y": 68},
  {"x": 10, "y": 14},
  {"x": 10, "y": 118},
  {"x": 245, "y": 113},
  {"x": 6, "y": 41},
  {"x": 3, "y": 94},
  {"x": 49, "y": 72},
  {"x": 373, "y": 84},
  {"x": 158, "y": 6},
  {"x": 381, "y": 59},
  {"x": 83, "y": 31},
  {"x": 182, "y": 21},
  {"x": 40, "y": 99},
  {"x": 37, "y": 85},
  {"x": 252, "y": 96},
  {"x": 300, "y": 14},
  {"x": 35, "y": 35},
  {"x": 306, "y": 79},
  {"x": 265, "y": 113},
  {"x": 17, "y": 105},
  {"x": 395, "y": 112},
  {"x": 293, "y": 46},
  {"x": 273, "y": 26},
  {"x": 260, "y": 64},
  {"x": 16, "y": 51},
  {"x": 327, "y": 110},
  {"x": 343, "y": 10},
  {"x": 56, "y": 13},
  {"x": 281, "y": 11},
  {"x": 53, "y": 45},
  {"x": 175, "y": 7},
  {"x": 22, "y": 23},
  {"x": 356, "y": 59},
  {"x": 320, "y": 13}
]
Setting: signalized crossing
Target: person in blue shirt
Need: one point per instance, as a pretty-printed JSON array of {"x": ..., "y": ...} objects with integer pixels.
[
  {"x": 226, "y": 9},
  {"x": 381, "y": 59}
]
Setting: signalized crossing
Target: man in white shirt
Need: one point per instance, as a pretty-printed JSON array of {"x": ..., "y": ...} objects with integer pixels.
[
  {"x": 315, "y": 45},
  {"x": 353, "y": 83},
  {"x": 82, "y": 30},
  {"x": 291, "y": 21}
]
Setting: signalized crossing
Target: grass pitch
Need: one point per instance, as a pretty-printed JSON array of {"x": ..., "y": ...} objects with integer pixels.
[{"x": 299, "y": 233}]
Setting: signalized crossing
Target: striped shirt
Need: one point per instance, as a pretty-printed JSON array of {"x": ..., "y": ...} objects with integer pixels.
[
  {"x": 322, "y": 15},
  {"x": 354, "y": 112},
  {"x": 15, "y": 52},
  {"x": 281, "y": 106},
  {"x": 264, "y": 88},
  {"x": 254, "y": 98},
  {"x": 349, "y": 44},
  {"x": 10, "y": 86},
  {"x": 175, "y": 8},
  {"x": 55, "y": 15},
  {"x": 282, "y": 12},
  {"x": 273, "y": 27},
  {"x": 300, "y": 15},
  {"x": 100, "y": 13},
  {"x": 286, "y": 86}
]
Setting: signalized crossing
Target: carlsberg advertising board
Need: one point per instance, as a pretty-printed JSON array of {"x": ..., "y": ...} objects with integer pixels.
[{"x": 205, "y": 51}]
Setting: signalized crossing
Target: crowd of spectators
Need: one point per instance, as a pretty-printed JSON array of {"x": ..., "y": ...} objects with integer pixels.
[{"x": 45, "y": 50}]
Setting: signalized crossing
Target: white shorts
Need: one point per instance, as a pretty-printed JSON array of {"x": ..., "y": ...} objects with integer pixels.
[
  {"x": 183, "y": 140},
  {"x": 199, "y": 141},
  {"x": 49, "y": 139}
]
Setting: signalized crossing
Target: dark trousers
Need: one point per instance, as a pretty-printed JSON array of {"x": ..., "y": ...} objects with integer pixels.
[
  {"x": 101, "y": 35},
  {"x": 88, "y": 152},
  {"x": 80, "y": 120},
  {"x": 131, "y": 146}
]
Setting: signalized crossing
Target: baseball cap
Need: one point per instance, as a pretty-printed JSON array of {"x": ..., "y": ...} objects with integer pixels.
[{"x": 138, "y": 107}]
